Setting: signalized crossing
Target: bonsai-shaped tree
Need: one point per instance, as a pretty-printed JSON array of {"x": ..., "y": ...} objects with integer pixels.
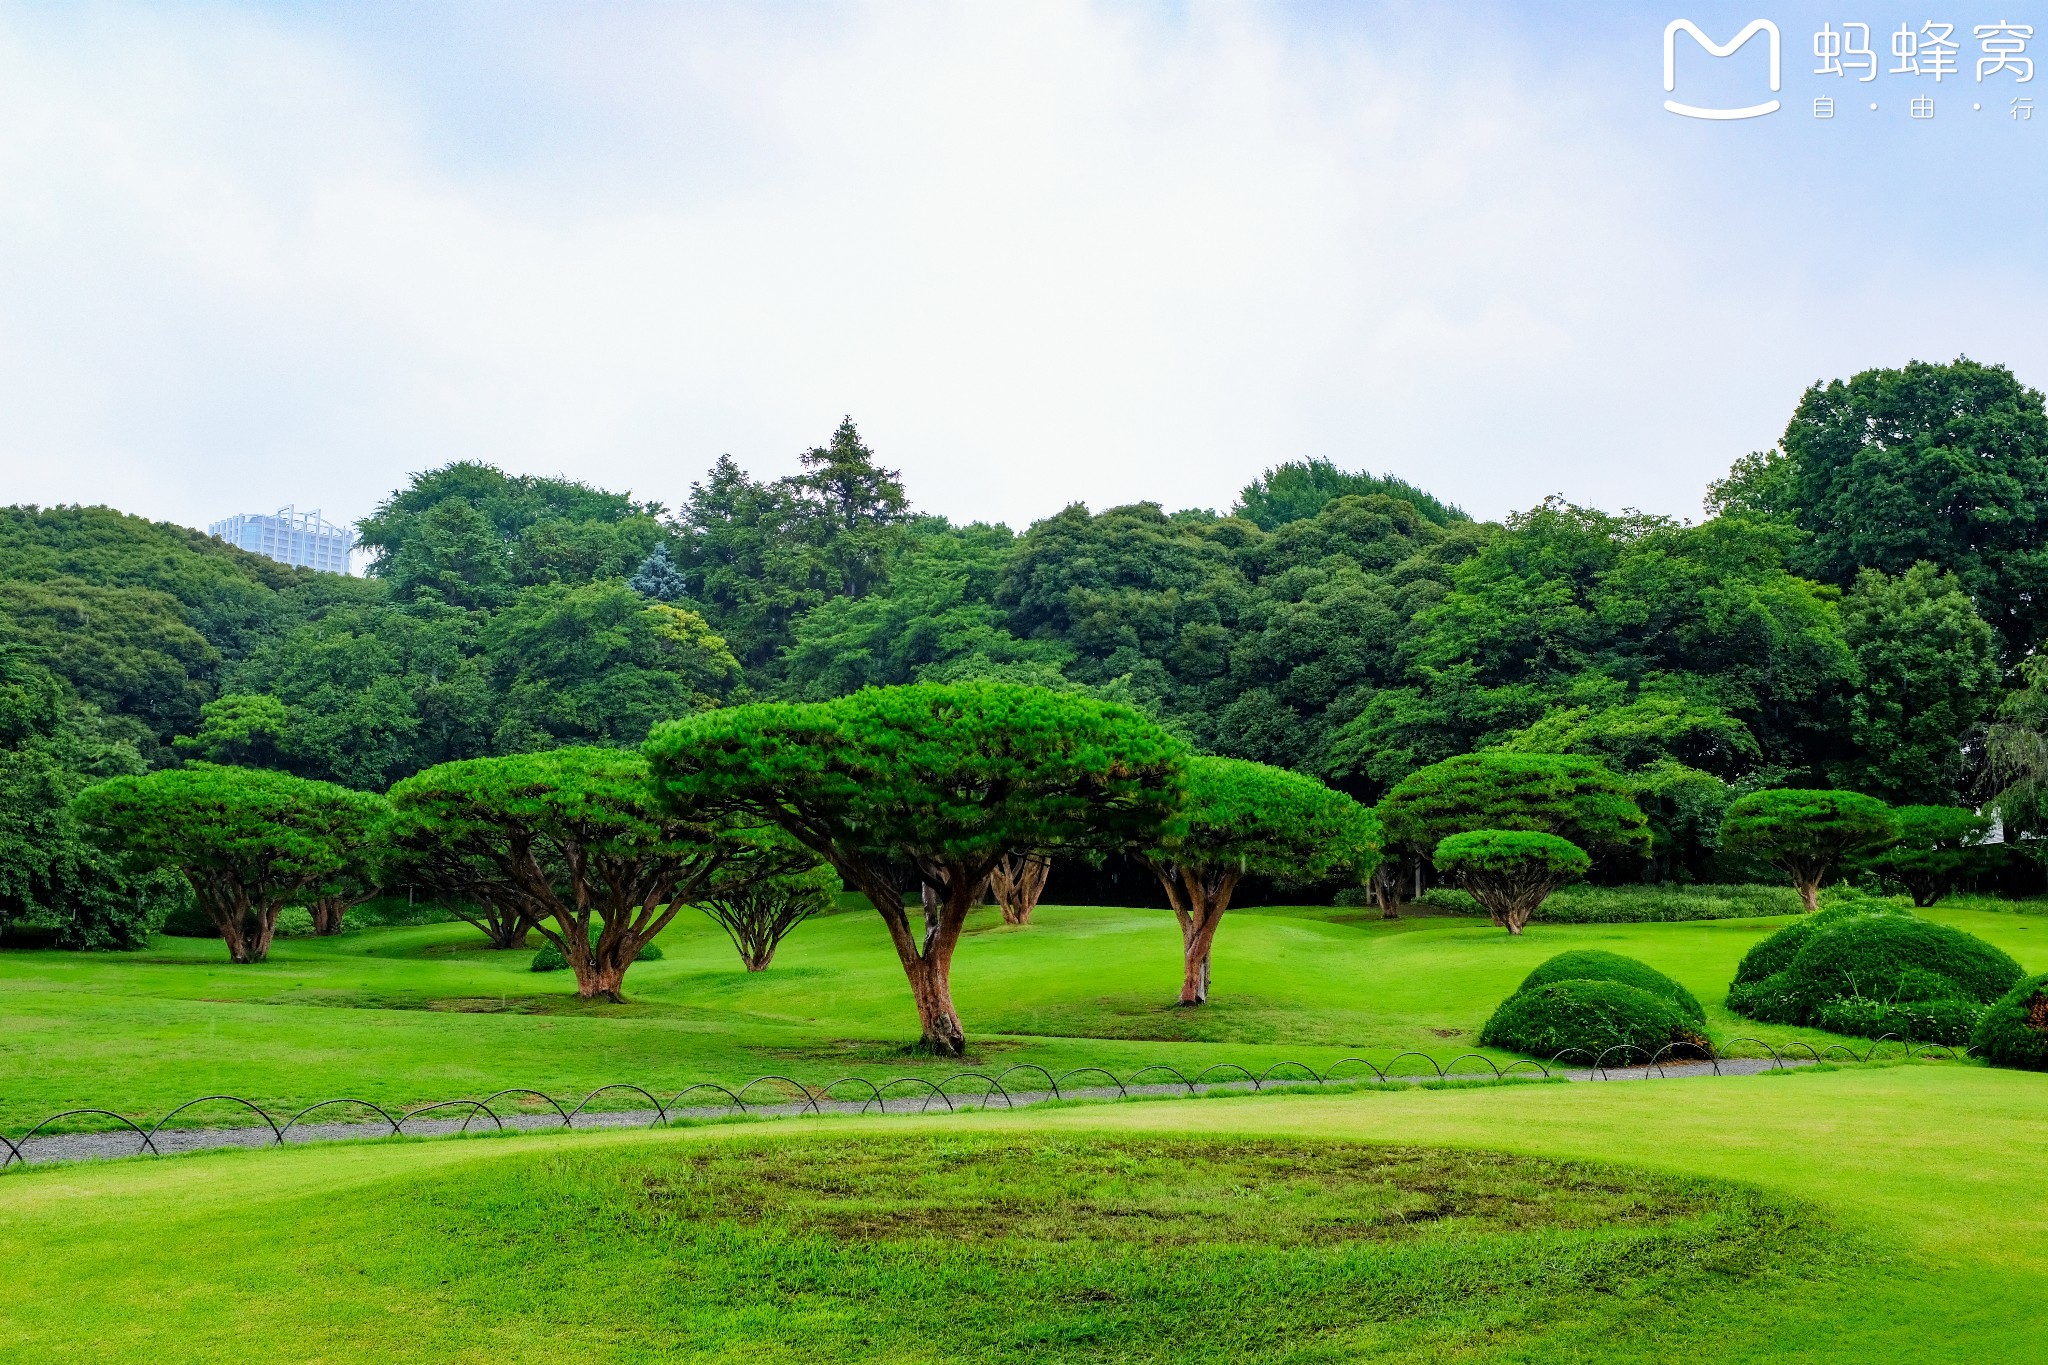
[
  {"x": 1509, "y": 871},
  {"x": 930, "y": 785},
  {"x": 1938, "y": 846},
  {"x": 1243, "y": 817},
  {"x": 573, "y": 840},
  {"x": 250, "y": 841},
  {"x": 1805, "y": 834},
  {"x": 1017, "y": 882},
  {"x": 1577, "y": 799},
  {"x": 758, "y": 916}
]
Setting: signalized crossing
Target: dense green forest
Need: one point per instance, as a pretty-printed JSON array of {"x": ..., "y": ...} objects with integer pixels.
[{"x": 1861, "y": 609}]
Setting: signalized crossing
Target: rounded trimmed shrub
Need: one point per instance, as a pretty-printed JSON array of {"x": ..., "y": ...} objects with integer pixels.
[
  {"x": 2014, "y": 1030},
  {"x": 1867, "y": 968},
  {"x": 1587, "y": 1018},
  {"x": 550, "y": 959},
  {"x": 1596, "y": 964}
]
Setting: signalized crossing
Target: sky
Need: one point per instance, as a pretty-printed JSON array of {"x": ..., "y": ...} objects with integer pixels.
[{"x": 1042, "y": 253}]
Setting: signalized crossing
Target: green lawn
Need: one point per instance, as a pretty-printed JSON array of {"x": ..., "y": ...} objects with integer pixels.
[
  {"x": 408, "y": 1015},
  {"x": 1887, "y": 1214}
]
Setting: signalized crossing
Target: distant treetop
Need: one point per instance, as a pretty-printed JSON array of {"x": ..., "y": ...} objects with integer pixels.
[{"x": 1298, "y": 489}]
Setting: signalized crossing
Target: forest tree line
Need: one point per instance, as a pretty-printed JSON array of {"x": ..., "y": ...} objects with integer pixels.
[{"x": 1860, "y": 609}]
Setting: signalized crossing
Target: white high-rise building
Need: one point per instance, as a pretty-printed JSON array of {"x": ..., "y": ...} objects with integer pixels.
[{"x": 290, "y": 537}]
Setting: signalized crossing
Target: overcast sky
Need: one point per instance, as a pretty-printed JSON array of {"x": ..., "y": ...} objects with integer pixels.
[{"x": 1041, "y": 252}]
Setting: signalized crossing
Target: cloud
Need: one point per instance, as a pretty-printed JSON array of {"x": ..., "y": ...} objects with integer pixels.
[{"x": 1041, "y": 253}]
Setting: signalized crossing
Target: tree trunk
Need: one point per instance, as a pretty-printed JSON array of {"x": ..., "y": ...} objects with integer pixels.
[
  {"x": 247, "y": 935},
  {"x": 1018, "y": 881},
  {"x": 1198, "y": 897},
  {"x": 928, "y": 961},
  {"x": 328, "y": 911},
  {"x": 1384, "y": 887},
  {"x": 1809, "y": 894}
]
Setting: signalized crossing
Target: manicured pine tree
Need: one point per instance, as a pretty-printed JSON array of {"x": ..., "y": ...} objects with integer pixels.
[
  {"x": 1807, "y": 834},
  {"x": 930, "y": 785},
  {"x": 249, "y": 841},
  {"x": 573, "y": 840},
  {"x": 1248, "y": 818}
]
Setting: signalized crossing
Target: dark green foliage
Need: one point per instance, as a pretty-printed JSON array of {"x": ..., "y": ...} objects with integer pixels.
[
  {"x": 52, "y": 747},
  {"x": 574, "y": 843},
  {"x": 1595, "y": 964},
  {"x": 1583, "y": 1020},
  {"x": 1807, "y": 834},
  {"x": 1855, "y": 968},
  {"x": 1668, "y": 903},
  {"x": 930, "y": 785},
  {"x": 1577, "y": 799},
  {"x": 1299, "y": 489},
  {"x": 549, "y": 958},
  {"x": 598, "y": 664},
  {"x": 1510, "y": 872},
  {"x": 2014, "y": 1030},
  {"x": 1938, "y": 846},
  {"x": 249, "y": 841},
  {"x": 1943, "y": 463},
  {"x": 242, "y": 728},
  {"x": 1243, "y": 818},
  {"x": 469, "y": 534},
  {"x": 1929, "y": 672}
]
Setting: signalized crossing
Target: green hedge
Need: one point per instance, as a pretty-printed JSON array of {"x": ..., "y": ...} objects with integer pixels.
[
  {"x": 1667, "y": 904},
  {"x": 1595, "y": 964},
  {"x": 1869, "y": 967},
  {"x": 2014, "y": 1030},
  {"x": 1584, "y": 1019}
]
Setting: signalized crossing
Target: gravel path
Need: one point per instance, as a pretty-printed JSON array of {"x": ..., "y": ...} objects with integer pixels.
[{"x": 126, "y": 1143}]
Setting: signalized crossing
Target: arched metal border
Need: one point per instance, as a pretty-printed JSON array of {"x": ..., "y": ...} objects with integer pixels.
[
  {"x": 933, "y": 1092},
  {"x": 1157, "y": 1066},
  {"x": 1050, "y": 1084},
  {"x": 1402, "y": 1057},
  {"x": 569, "y": 1119},
  {"x": 1122, "y": 1093},
  {"x": 475, "y": 1106},
  {"x": 277, "y": 1137},
  {"x": 1777, "y": 1062},
  {"x": 73, "y": 1113},
  {"x": 1203, "y": 1077},
  {"x": 989, "y": 1081},
  {"x": 378, "y": 1109},
  {"x": 675, "y": 1102},
  {"x": 825, "y": 1092},
  {"x": 810, "y": 1100},
  {"x": 1471, "y": 1056}
]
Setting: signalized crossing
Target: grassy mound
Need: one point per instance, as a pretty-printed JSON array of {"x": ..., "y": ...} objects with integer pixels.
[
  {"x": 1597, "y": 964},
  {"x": 1866, "y": 967},
  {"x": 1040, "y": 1247},
  {"x": 2014, "y": 1031},
  {"x": 1584, "y": 1019}
]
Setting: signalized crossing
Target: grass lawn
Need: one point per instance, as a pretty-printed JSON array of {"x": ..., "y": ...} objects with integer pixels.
[
  {"x": 407, "y": 1015},
  {"x": 1886, "y": 1214}
]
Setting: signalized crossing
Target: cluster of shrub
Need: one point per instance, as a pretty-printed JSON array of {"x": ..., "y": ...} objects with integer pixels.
[{"x": 1862, "y": 965}]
